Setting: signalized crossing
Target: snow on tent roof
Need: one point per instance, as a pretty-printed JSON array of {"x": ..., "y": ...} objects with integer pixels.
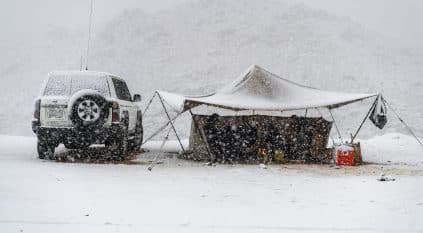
[{"x": 258, "y": 89}]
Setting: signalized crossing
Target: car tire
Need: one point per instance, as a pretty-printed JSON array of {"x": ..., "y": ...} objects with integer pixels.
[
  {"x": 118, "y": 146},
  {"x": 89, "y": 111},
  {"x": 45, "y": 150},
  {"x": 136, "y": 142}
]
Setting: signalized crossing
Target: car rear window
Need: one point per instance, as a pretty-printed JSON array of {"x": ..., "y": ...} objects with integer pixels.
[
  {"x": 121, "y": 89},
  {"x": 68, "y": 85},
  {"x": 58, "y": 85}
]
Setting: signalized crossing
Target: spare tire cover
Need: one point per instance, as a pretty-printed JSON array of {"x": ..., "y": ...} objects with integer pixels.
[{"x": 87, "y": 109}]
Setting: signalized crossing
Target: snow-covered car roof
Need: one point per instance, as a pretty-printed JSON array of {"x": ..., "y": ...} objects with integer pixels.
[
  {"x": 61, "y": 77},
  {"x": 81, "y": 73}
]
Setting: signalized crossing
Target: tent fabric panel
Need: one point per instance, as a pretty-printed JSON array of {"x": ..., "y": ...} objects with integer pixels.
[{"x": 258, "y": 89}]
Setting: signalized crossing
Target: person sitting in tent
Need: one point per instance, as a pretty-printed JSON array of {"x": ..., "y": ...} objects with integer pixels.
[
  {"x": 280, "y": 146},
  {"x": 294, "y": 139},
  {"x": 230, "y": 142},
  {"x": 248, "y": 136},
  {"x": 266, "y": 145},
  {"x": 236, "y": 142},
  {"x": 301, "y": 139},
  {"x": 213, "y": 136}
]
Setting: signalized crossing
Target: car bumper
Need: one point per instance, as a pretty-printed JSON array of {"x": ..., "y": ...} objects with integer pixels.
[{"x": 73, "y": 135}]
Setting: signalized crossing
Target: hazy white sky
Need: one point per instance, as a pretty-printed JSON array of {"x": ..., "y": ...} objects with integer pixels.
[{"x": 398, "y": 19}]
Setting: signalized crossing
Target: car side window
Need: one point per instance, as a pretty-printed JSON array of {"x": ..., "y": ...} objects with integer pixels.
[{"x": 121, "y": 89}]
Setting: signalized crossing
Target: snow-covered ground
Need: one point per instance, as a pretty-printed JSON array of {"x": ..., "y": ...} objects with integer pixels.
[{"x": 185, "y": 196}]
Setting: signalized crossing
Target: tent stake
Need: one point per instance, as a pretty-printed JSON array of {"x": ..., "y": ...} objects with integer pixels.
[
  {"x": 171, "y": 123},
  {"x": 336, "y": 125},
  {"x": 202, "y": 136},
  {"x": 364, "y": 120},
  {"x": 403, "y": 122}
]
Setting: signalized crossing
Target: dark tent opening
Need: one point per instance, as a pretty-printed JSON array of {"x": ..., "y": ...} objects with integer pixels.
[{"x": 259, "y": 138}]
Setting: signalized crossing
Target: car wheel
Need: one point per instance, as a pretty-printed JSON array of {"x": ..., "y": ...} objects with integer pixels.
[
  {"x": 136, "y": 143},
  {"x": 45, "y": 150},
  {"x": 118, "y": 146}
]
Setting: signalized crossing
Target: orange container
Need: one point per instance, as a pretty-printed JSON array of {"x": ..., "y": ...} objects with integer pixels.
[{"x": 345, "y": 156}]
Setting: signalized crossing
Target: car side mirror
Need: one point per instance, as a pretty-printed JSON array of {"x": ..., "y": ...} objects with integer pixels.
[{"x": 137, "y": 98}]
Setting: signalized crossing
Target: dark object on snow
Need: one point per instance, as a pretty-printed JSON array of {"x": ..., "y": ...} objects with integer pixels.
[
  {"x": 378, "y": 115},
  {"x": 385, "y": 178}
]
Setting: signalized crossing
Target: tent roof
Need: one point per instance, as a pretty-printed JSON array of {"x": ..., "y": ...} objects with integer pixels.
[{"x": 258, "y": 89}]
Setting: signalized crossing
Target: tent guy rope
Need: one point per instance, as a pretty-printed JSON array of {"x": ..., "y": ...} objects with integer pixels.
[
  {"x": 336, "y": 126},
  {"x": 403, "y": 122},
  {"x": 154, "y": 161},
  {"x": 364, "y": 120},
  {"x": 171, "y": 123},
  {"x": 149, "y": 103}
]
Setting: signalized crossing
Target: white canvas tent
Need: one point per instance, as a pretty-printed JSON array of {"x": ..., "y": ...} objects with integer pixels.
[{"x": 258, "y": 89}]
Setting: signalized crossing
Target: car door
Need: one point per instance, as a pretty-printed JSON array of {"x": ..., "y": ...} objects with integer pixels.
[{"x": 125, "y": 102}]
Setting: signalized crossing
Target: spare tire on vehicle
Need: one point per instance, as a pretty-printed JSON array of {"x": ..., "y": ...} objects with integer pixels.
[{"x": 88, "y": 109}]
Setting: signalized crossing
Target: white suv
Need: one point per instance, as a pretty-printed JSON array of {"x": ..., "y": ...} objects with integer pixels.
[{"x": 80, "y": 108}]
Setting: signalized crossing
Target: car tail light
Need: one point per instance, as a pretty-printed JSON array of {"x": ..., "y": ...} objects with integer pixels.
[
  {"x": 37, "y": 110},
  {"x": 115, "y": 112}
]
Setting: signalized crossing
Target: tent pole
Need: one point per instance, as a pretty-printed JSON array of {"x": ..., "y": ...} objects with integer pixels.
[
  {"x": 171, "y": 123},
  {"x": 305, "y": 115},
  {"x": 153, "y": 163},
  {"x": 364, "y": 120},
  {"x": 202, "y": 136},
  {"x": 333, "y": 140},
  {"x": 336, "y": 125},
  {"x": 159, "y": 130},
  {"x": 403, "y": 122},
  {"x": 149, "y": 103}
]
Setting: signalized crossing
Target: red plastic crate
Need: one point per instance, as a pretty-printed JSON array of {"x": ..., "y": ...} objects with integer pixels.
[{"x": 345, "y": 156}]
